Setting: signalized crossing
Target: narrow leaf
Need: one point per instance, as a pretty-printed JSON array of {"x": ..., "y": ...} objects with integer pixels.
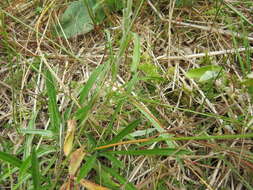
[
  {"x": 35, "y": 170},
  {"x": 92, "y": 79},
  {"x": 150, "y": 152},
  {"x": 122, "y": 180},
  {"x": 54, "y": 113},
  {"x": 10, "y": 159},
  {"x": 41, "y": 132},
  {"x": 68, "y": 142},
  {"x": 125, "y": 132},
  {"x": 115, "y": 162},
  {"x": 153, "y": 120},
  {"x": 136, "y": 53},
  {"x": 75, "y": 161},
  {"x": 87, "y": 167}
]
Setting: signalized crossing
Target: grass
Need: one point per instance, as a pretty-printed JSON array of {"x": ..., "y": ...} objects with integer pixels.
[{"x": 125, "y": 106}]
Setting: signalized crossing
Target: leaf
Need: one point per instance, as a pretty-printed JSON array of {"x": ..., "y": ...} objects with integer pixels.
[
  {"x": 35, "y": 170},
  {"x": 136, "y": 53},
  {"x": 54, "y": 114},
  {"x": 204, "y": 73},
  {"x": 153, "y": 120},
  {"x": 68, "y": 142},
  {"x": 10, "y": 159},
  {"x": 75, "y": 20},
  {"x": 92, "y": 186},
  {"x": 24, "y": 168},
  {"x": 115, "y": 162},
  {"x": 114, "y": 5},
  {"x": 122, "y": 180},
  {"x": 142, "y": 132},
  {"x": 75, "y": 161},
  {"x": 150, "y": 152},
  {"x": 29, "y": 138},
  {"x": 105, "y": 178},
  {"x": 150, "y": 70},
  {"x": 124, "y": 132},
  {"x": 41, "y": 132},
  {"x": 68, "y": 185},
  {"x": 208, "y": 75},
  {"x": 87, "y": 167},
  {"x": 90, "y": 83}
]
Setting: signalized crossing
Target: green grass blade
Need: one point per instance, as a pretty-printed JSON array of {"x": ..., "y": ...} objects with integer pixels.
[
  {"x": 113, "y": 119},
  {"x": 29, "y": 137},
  {"x": 92, "y": 80},
  {"x": 127, "y": 130},
  {"x": 83, "y": 112},
  {"x": 105, "y": 178},
  {"x": 52, "y": 103},
  {"x": 35, "y": 170},
  {"x": 41, "y": 132},
  {"x": 10, "y": 159},
  {"x": 115, "y": 162},
  {"x": 153, "y": 120},
  {"x": 87, "y": 167},
  {"x": 151, "y": 152},
  {"x": 24, "y": 168},
  {"x": 136, "y": 53},
  {"x": 122, "y": 180}
]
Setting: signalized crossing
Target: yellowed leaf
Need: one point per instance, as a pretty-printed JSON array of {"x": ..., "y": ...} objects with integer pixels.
[
  {"x": 75, "y": 161},
  {"x": 65, "y": 186},
  {"x": 68, "y": 141},
  {"x": 68, "y": 185},
  {"x": 91, "y": 186}
]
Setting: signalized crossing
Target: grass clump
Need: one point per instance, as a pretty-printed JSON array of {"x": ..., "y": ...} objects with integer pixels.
[{"x": 147, "y": 95}]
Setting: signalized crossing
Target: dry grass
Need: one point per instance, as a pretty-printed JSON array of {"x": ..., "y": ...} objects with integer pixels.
[{"x": 175, "y": 38}]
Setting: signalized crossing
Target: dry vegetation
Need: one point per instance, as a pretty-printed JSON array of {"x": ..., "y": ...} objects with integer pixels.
[{"x": 43, "y": 74}]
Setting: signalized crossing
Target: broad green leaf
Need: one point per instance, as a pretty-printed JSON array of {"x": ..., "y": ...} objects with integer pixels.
[
  {"x": 54, "y": 114},
  {"x": 10, "y": 159},
  {"x": 150, "y": 152},
  {"x": 76, "y": 19},
  {"x": 204, "y": 73},
  {"x": 124, "y": 132},
  {"x": 122, "y": 180},
  {"x": 35, "y": 170},
  {"x": 80, "y": 16},
  {"x": 208, "y": 75},
  {"x": 87, "y": 167}
]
